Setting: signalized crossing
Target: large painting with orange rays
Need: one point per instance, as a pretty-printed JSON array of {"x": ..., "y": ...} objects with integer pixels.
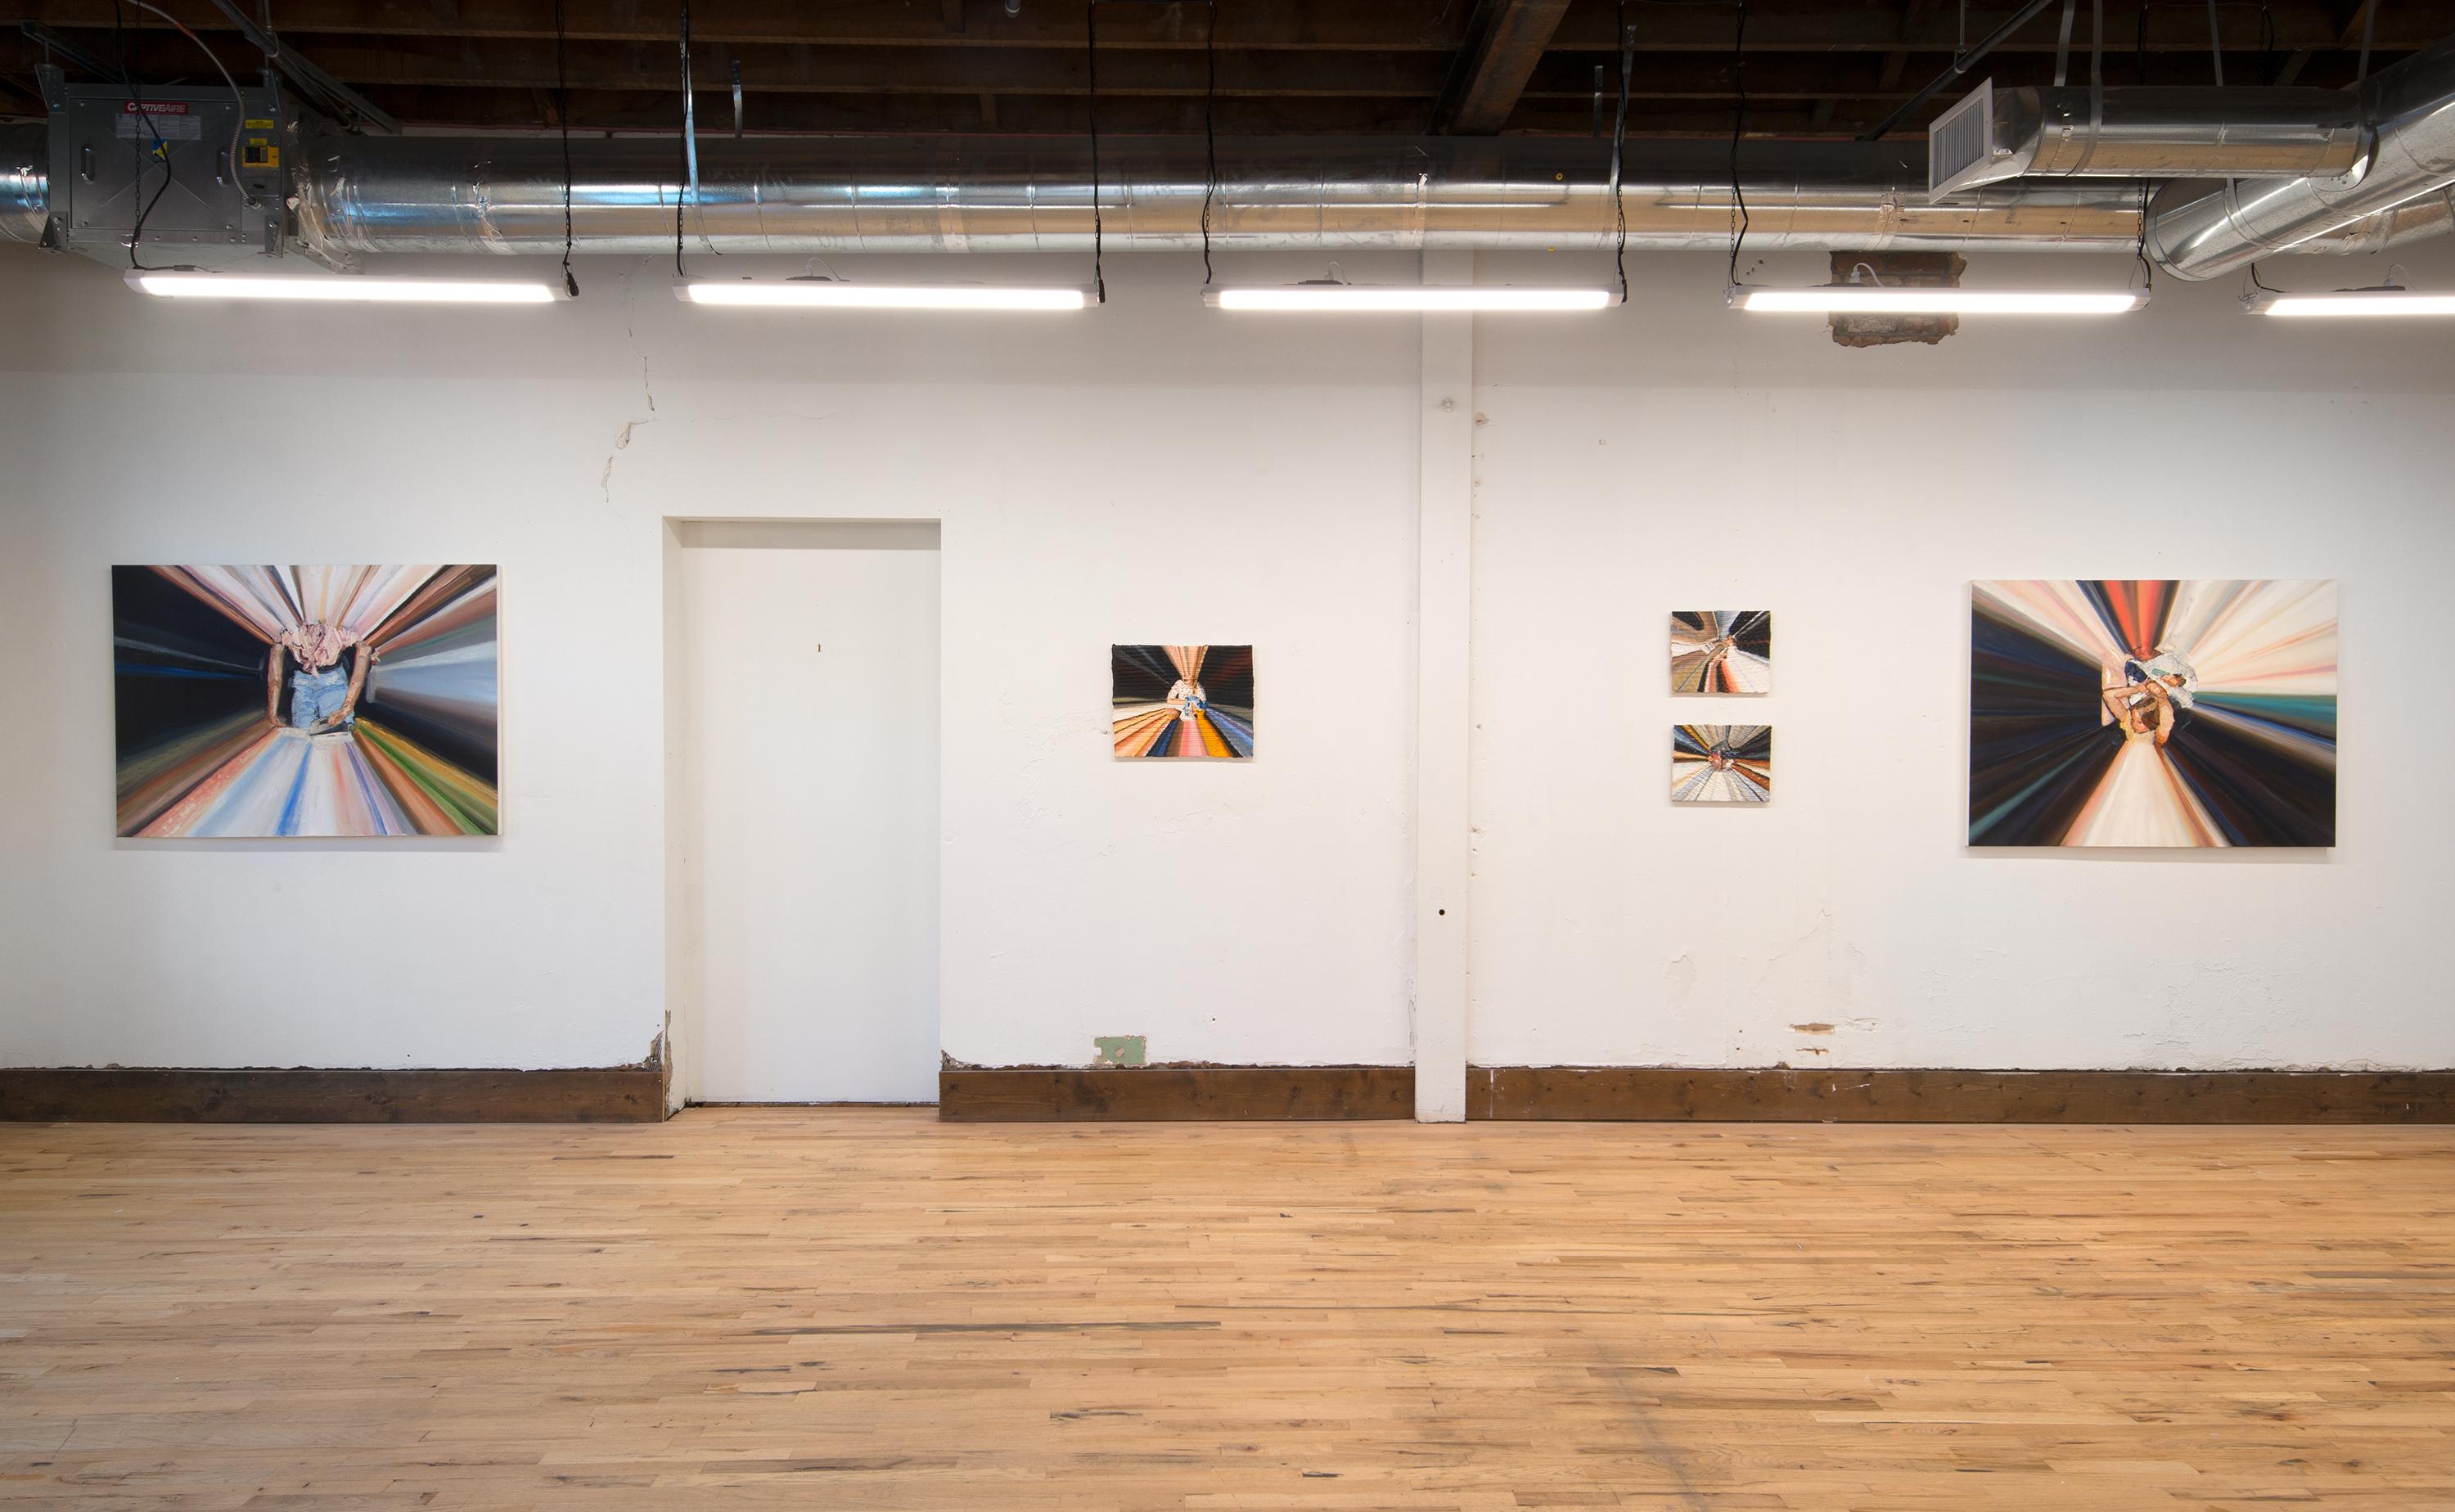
[
  {"x": 1189, "y": 701},
  {"x": 2199, "y": 712},
  {"x": 257, "y": 702}
]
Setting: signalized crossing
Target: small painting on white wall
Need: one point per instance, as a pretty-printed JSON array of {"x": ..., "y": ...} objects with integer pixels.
[
  {"x": 1193, "y": 702},
  {"x": 1721, "y": 651},
  {"x": 1721, "y": 764}
]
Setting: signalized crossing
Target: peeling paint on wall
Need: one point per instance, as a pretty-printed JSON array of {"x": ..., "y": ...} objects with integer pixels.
[
  {"x": 1678, "y": 981},
  {"x": 1817, "y": 968},
  {"x": 1120, "y": 1050}
]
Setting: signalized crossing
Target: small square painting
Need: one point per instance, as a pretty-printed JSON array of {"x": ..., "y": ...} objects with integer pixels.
[
  {"x": 1721, "y": 764},
  {"x": 1721, "y": 651},
  {"x": 1190, "y": 702}
]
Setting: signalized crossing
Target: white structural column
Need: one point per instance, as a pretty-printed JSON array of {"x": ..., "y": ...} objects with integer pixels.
[{"x": 1445, "y": 511}]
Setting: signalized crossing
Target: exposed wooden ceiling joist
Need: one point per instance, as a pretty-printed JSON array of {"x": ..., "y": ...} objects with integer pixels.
[
  {"x": 1309, "y": 26},
  {"x": 1505, "y": 40},
  {"x": 1817, "y": 68}
]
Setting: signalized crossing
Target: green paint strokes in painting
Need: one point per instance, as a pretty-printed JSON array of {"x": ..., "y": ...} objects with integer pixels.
[{"x": 468, "y": 804}]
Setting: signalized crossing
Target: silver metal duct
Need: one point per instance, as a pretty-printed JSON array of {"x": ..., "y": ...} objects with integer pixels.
[
  {"x": 813, "y": 195},
  {"x": 806, "y": 196},
  {"x": 25, "y": 182},
  {"x": 2432, "y": 214},
  {"x": 2199, "y": 230},
  {"x": 1999, "y": 134}
]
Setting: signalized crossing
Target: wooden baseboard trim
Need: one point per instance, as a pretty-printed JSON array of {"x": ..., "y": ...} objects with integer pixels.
[
  {"x": 609, "y": 1095},
  {"x": 1174, "y": 1094},
  {"x": 1902, "y": 1095},
  {"x": 1043, "y": 1093}
]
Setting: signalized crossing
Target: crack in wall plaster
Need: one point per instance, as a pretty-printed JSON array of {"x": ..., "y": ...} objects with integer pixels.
[
  {"x": 1815, "y": 971},
  {"x": 621, "y": 444},
  {"x": 647, "y": 391}
]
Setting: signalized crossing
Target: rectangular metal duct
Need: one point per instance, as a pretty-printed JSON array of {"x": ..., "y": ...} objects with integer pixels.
[
  {"x": 1997, "y": 134},
  {"x": 203, "y": 166}
]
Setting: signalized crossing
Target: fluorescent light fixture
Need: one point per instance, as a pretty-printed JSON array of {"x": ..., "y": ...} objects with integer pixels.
[
  {"x": 1326, "y": 294},
  {"x": 2385, "y": 301},
  {"x": 835, "y": 294},
  {"x": 1887, "y": 299},
  {"x": 352, "y": 288}
]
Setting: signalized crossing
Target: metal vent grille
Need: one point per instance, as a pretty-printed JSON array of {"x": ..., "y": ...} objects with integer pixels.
[{"x": 1960, "y": 144}]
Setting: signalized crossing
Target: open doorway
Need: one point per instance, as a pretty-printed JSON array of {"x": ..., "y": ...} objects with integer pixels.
[{"x": 803, "y": 770}]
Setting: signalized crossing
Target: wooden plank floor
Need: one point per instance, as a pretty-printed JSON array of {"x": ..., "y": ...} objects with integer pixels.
[{"x": 869, "y": 1309}]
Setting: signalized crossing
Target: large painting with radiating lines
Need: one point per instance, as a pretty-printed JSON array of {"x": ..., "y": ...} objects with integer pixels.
[
  {"x": 305, "y": 700},
  {"x": 1193, "y": 701},
  {"x": 2152, "y": 713}
]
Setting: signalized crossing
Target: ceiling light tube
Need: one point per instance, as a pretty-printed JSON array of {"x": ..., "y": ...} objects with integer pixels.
[
  {"x": 1435, "y": 298},
  {"x": 835, "y": 294},
  {"x": 2389, "y": 301},
  {"x": 1889, "y": 299},
  {"x": 341, "y": 287}
]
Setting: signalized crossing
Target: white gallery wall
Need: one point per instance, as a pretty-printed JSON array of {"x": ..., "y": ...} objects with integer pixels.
[
  {"x": 1156, "y": 472},
  {"x": 1144, "y": 475},
  {"x": 1855, "y": 494}
]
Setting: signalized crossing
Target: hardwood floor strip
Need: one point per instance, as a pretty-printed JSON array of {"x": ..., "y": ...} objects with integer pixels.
[
  {"x": 1162, "y": 1094},
  {"x": 613, "y": 1095},
  {"x": 1647, "y": 1094},
  {"x": 871, "y": 1309}
]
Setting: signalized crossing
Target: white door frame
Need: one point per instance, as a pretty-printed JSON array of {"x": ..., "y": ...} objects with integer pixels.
[{"x": 685, "y": 1013}]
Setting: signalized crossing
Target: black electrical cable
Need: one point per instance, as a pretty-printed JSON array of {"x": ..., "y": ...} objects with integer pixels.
[
  {"x": 1210, "y": 130},
  {"x": 2097, "y": 58},
  {"x": 1738, "y": 125},
  {"x": 161, "y": 151},
  {"x": 681, "y": 165},
  {"x": 2140, "y": 248},
  {"x": 1619, "y": 146},
  {"x": 1091, "y": 112},
  {"x": 562, "y": 115},
  {"x": 2266, "y": 35},
  {"x": 238, "y": 100}
]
